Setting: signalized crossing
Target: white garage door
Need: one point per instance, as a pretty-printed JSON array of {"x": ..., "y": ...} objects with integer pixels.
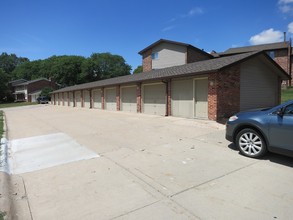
[
  {"x": 59, "y": 98},
  {"x": 78, "y": 99},
  {"x": 201, "y": 98},
  {"x": 97, "y": 98},
  {"x": 86, "y": 99},
  {"x": 154, "y": 99},
  {"x": 182, "y": 98},
  {"x": 65, "y": 103},
  {"x": 128, "y": 99},
  {"x": 70, "y": 99},
  {"x": 110, "y": 99}
]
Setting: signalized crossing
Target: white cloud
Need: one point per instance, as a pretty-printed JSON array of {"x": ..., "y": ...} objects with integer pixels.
[
  {"x": 168, "y": 28},
  {"x": 290, "y": 28},
  {"x": 195, "y": 11},
  {"x": 285, "y": 1},
  {"x": 286, "y": 6},
  {"x": 267, "y": 36}
]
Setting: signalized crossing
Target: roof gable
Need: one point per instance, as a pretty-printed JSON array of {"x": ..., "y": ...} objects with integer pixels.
[{"x": 172, "y": 42}]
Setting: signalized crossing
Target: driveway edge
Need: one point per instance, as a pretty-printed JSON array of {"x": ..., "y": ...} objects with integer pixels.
[{"x": 5, "y": 181}]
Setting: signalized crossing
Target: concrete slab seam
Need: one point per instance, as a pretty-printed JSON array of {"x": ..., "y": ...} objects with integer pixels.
[
  {"x": 28, "y": 203},
  {"x": 154, "y": 188},
  {"x": 216, "y": 178},
  {"x": 134, "y": 210}
]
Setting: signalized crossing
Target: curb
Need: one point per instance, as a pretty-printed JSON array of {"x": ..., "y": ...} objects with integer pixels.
[{"x": 5, "y": 199}]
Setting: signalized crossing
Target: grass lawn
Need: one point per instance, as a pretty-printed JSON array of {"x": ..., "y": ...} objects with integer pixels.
[
  {"x": 16, "y": 104},
  {"x": 287, "y": 94}
]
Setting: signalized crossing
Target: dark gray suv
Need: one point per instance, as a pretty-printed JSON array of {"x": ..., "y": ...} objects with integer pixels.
[{"x": 257, "y": 131}]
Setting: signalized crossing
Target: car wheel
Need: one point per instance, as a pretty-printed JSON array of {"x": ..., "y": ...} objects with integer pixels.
[{"x": 250, "y": 143}]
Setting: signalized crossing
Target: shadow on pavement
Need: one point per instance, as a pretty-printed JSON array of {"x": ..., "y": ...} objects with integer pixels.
[{"x": 275, "y": 158}]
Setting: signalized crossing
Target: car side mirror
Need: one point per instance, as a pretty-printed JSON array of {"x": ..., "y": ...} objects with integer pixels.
[{"x": 280, "y": 112}]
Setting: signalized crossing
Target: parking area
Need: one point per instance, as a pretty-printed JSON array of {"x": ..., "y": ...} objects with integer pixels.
[{"x": 97, "y": 164}]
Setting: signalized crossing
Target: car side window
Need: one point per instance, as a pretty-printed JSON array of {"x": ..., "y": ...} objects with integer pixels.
[{"x": 289, "y": 110}]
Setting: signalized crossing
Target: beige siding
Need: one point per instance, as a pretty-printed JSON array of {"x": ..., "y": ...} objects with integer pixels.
[
  {"x": 70, "y": 96},
  {"x": 110, "y": 99},
  {"x": 65, "y": 99},
  {"x": 182, "y": 98},
  {"x": 258, "y": 87},
  {"x": 169, "y": 55},
  {"x": 128, "y": 99},
  {"x": 201, "y": 98},
  {"x": 86, "y": 99},
  {"x": 58, "y": 98},
  {"x": 78, "y": 98},
  {"x": 97, "y": 98},
  {"x": 154, "y": 99}
]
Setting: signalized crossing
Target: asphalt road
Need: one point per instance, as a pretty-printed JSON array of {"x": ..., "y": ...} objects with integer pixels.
[{"x": 70, "y": 163}]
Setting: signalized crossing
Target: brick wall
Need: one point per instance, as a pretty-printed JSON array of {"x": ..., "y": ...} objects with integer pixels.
[
  {"x": 147, "y": 61},
  {"x": 103, "y": 97},
  {"x": 224, "y": 93},
  {"x": 194, "y": 56},
  {"x": 118, "y": 98},
  {"x": 138, "y": 97},
  {"x": 168, "y": 85},
  {"x": 281, "y": 57}
]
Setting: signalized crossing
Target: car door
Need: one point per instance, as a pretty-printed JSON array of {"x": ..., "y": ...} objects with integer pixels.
[{"x": 281, "y": 127}]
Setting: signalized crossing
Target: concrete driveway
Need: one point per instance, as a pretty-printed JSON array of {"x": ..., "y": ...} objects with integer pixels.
[{"x": 70, "y": 163}]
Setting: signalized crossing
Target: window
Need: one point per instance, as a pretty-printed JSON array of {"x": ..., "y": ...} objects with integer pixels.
[
  {"x": 155, "y": 56},
  {"x": 289, "y": 110},
  {"x": 271, "y": 54}
]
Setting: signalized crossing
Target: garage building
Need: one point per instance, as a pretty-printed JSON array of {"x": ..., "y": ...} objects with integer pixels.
[{"x": 211, "y": 89}]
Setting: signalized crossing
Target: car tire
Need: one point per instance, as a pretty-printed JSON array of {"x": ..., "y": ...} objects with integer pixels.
[{"x": 250, "y": 143}]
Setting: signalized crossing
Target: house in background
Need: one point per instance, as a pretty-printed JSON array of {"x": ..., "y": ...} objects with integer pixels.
[
  {"x": 280, "y": 52},
  {"x": 29, "y": 91},
  {"x": 165, "y": 53}
]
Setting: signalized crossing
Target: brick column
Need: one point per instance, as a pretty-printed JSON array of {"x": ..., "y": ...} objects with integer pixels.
[
  {"x": 118, "y": 98},
  {"x": 63, "y": 99},
  {"x": 168, "y": 113},
  {"x": 212, "y": 97},
  {"x": 91, "y": 98},
  {"x": 81, "y": 99},
  {"x": 138, "y": 97},
  {"x": 103, "y": 97}
]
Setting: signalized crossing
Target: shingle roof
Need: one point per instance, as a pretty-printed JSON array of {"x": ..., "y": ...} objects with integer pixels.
[
  {"x": 172, "y": 42},
  {"x": 262, "y": 47},
  {"x": 32, "y": 81},
  {"x": 17, "y": 82},
  {"x": 196, "y": 68}
]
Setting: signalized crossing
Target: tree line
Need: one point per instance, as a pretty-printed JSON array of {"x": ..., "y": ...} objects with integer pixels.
[{"x": 66, "y": 70}]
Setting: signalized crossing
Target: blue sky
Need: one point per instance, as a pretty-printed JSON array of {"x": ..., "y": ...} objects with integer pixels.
[{"x": 38, "y": 29}]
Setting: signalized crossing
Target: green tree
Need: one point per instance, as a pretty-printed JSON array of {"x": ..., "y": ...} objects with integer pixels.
[
  {"x": 28, "y": 70},
  {"x": 103, "y": 66},
  {"x": 46, "y": 91},
  {"x": 8, "y": 62},
  {"x": 138, "y": 70},
  {"x": 67, "y": 69},
  {"x": 4, "y": 90}
]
